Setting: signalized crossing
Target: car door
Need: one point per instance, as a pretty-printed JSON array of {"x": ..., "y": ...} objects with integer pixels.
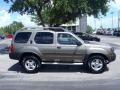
[
  {"x": 45, "y": 42},
  {"x": 67, "y": 48}
]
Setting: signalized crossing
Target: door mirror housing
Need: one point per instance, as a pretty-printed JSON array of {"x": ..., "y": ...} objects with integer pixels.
[{"x": 78, "y": 44}]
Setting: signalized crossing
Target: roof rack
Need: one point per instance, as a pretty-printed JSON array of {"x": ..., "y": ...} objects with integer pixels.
[
  {"x": 56, "y": 29},
  {"x": 32, "y": 28}
]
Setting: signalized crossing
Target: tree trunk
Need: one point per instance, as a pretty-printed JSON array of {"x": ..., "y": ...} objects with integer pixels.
[
  {"x": 40, "y": 16},
  {"x": 42, "y": 22}
]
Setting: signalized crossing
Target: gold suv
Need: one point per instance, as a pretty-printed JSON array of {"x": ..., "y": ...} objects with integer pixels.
[{"x": 32, "y": 46}]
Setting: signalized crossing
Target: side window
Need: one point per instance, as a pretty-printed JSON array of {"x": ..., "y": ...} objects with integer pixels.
[
  {"x": 44, "y": 38},
  {"x": 22, "y": 37},
  {"x": 66, "y": 39}
]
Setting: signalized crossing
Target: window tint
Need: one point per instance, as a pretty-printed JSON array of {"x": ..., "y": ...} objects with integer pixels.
[
  {"x": 44, "y": 38},
  {"x": 67, "y": 39},
  {"x": 22, "y": 37}
]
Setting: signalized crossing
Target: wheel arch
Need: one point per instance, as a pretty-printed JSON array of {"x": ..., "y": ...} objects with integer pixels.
[
  {"x": 93, "y": 54},
  {"x": 28, "y": 54}
]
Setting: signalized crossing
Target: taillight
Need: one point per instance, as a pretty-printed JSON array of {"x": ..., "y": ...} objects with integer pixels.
[{"x": 11, "y": 49}]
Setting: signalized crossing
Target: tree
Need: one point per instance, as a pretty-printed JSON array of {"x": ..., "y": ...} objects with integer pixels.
[
  {"x": 29, "y": 7},
  {"x": 89, "y": 29},
  {"x": 15, "y": 26},
  {"x": 57, "y": 12},
  {"x": 12, "y": 28}
]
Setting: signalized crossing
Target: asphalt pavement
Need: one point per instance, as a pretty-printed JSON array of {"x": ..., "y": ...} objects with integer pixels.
[{"x": 61, "y": 85}]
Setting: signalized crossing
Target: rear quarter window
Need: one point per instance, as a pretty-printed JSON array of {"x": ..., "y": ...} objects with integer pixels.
[{"x": 22, "y": 37}]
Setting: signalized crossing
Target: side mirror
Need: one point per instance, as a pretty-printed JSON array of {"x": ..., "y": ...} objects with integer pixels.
[{"x": 78, "y": 43}]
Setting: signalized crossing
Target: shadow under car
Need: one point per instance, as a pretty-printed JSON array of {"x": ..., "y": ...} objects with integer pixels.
[{"x": 53, "y": 68}]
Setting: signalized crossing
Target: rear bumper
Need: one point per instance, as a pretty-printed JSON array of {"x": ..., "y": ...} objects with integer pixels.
[{"x": 14, "y": 56}]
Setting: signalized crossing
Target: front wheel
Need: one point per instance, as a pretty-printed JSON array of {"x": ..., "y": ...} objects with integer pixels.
[
  {"x": 31, "y": 64},
  {"x": 96, "y": 64}
]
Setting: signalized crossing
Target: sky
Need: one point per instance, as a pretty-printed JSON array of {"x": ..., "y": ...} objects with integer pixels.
[{"x": 106, "y": 21}]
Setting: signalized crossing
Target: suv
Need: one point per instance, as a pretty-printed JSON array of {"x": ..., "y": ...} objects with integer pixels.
[{"x": 34, "y": 46}]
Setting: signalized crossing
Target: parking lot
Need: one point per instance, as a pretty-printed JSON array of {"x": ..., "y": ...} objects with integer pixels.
[{"x": 11, "y": 70}]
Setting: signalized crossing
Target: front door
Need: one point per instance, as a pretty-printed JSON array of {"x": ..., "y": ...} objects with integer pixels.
[{"x": 67, "y": 48}]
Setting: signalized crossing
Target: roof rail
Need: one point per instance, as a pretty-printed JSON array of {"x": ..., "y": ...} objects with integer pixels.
[
  {"x": 56, "y": 29},
  {"x": 32, "y": 28}
]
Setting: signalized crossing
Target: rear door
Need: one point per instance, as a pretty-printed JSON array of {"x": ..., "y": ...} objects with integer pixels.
[{"x": 45, "y": 42}]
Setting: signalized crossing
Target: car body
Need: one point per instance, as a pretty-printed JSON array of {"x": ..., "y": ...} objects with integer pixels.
[
  {"x": 116, "y": 33},
  {"x": 100, "y": 32},
  {"x": 2, "y": 36},
  {"x": 9, "y": 36},
  {"x": 109, "y": 32},
  {"x": 88, "y": 37},
  {"x": 31, "y": 47}
]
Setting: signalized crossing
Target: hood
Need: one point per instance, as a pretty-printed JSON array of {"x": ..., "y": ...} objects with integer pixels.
[{"x": 97, "y": 45}]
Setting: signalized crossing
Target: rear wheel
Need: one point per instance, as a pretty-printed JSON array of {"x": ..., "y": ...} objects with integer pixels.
[
  {"x": 96, "y": 64},
  {"x": 31, "y": 64}
]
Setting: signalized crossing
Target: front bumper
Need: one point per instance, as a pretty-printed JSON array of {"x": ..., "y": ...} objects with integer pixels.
[{"x": 112, "y": 57}]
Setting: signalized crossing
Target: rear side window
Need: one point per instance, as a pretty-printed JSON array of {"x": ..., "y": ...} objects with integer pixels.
[
  {"x": 22, "y": 37},
  {"x": 44, "y": 38}
]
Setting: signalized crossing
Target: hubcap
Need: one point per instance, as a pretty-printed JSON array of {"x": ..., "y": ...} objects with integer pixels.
[
  {"x": 96, "y": 64},
  {"x": 30, "y": 64}
]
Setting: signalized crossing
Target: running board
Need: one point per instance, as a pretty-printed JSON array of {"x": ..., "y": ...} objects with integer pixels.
[{"x": 62, "y": 63}]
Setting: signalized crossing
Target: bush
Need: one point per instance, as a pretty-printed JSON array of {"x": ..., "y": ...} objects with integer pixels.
[{"x": 89, "y": 30}]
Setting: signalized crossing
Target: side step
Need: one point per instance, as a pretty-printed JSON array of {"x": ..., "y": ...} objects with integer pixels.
[{"x": 62, "y": 63}]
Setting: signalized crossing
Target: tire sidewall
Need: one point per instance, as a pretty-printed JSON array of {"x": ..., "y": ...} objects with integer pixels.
[
  {"x": 93, "y": 58},
  {"x": 38, "y": 64}
]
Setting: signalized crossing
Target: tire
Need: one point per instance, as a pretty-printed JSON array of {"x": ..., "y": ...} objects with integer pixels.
[
  {"x": 31, "y": 64},
  {"x": 96, "y": 64},
  {"x": 20, "y": 63}
]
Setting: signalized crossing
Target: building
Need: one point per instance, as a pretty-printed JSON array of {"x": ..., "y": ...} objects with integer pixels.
[{"x": 79, "y": 26}]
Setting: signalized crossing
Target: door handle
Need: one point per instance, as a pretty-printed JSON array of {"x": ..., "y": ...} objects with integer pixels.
[{"x": 58, "y": 47}]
